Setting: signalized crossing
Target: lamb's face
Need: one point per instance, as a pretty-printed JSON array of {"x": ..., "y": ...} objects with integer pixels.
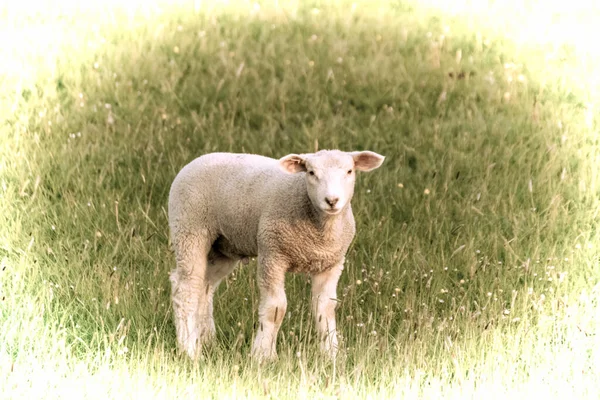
[
  {"x": 330, "y": 181},
  {"x": 330, "y": 175}
]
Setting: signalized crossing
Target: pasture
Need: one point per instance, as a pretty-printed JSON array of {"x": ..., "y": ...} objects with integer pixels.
[{"x": 475, "y": 268}]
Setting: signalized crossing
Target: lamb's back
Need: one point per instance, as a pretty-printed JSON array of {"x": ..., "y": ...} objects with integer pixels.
[{"x": 227, "y": 194}]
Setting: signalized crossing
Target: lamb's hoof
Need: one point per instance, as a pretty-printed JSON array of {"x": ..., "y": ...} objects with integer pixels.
[
  {"x": 329, "y": 348},
  {"x": 330, "y": 353},
  {"x": 192, "y": 349},
  {"x": 264, "y": 357}
]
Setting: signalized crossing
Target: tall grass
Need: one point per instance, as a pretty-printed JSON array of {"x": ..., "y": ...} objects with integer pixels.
[{"x": 475, "y": 267}]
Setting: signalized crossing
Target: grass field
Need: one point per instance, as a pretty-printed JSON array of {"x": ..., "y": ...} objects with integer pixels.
[{"x": 475, "y": 270}]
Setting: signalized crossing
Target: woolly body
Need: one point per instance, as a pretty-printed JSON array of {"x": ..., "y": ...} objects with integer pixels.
[{"x": 237, "y": 201}]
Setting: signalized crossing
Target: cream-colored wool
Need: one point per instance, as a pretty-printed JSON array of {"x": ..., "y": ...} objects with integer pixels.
[{"x": 293, "y": 213}]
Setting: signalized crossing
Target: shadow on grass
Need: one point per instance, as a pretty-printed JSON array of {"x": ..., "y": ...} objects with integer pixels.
[{"x": 471, "y": 190}]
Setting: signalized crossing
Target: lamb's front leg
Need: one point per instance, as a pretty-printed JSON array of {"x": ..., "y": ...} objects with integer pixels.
[
  {"x": 324, "y": 300},
  {"x": 271, "y": 309}
]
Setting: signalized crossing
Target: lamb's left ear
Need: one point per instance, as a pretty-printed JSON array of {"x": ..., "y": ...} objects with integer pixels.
[
  {"x": 292, "y": 163},
  {"x": 366, "y": 160}
]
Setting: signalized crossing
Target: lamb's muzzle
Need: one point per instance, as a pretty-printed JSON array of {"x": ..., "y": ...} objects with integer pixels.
[{"x": 332, "y": 201}]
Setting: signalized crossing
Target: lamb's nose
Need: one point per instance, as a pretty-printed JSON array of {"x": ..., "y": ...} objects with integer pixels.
[{"x": 332, "y": 201}]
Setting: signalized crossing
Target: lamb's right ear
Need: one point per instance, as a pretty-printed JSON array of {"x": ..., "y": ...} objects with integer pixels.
[{"x": 292, "y": 163}]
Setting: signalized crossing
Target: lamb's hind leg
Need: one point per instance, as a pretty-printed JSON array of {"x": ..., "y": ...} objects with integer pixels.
[
  {"x": 219, "y": 266},
  {"x": 189, "y": 292}
]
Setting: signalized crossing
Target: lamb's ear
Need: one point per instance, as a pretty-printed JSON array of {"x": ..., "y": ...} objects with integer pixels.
[
  {"x": 292, "y": 163},
  {"x": 366, "y": 160}
]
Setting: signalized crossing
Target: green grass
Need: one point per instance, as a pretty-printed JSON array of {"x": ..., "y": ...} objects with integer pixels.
[{"x": 475, "y": 267}]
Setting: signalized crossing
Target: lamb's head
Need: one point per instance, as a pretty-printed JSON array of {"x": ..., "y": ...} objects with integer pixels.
[{"x": 330, "y": 175}]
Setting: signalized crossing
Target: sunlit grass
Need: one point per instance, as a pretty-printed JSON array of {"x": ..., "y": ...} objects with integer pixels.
[{"x": 475, "y": 268}]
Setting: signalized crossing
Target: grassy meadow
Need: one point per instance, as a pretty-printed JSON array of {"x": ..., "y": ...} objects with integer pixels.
[{"x": 475, "y": 269}]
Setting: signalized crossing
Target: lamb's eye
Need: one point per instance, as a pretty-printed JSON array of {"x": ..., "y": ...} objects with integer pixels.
[
  {"x": 349, "y": 172},
  {"x": 311, "y": 173}
]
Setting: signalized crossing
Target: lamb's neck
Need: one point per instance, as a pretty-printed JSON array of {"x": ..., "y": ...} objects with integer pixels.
[{"x": 330, "y": 223}]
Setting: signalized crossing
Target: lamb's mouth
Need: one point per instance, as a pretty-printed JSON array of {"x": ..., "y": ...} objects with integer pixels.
[{"x": 332, "y": 211}]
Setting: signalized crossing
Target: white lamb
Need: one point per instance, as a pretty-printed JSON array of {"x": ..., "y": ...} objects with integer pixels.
[{"x": 293, "y": 213}]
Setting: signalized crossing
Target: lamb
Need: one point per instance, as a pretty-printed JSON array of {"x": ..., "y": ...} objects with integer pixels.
[{"x": 294, "y": 214}]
